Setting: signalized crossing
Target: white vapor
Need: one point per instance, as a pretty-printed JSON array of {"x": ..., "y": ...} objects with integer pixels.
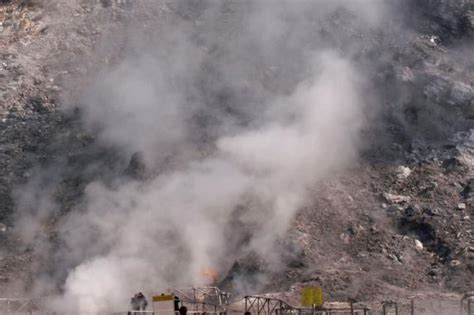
[
  {"x": 167, "y": 230},
  {"x": 209, "y": 183}
]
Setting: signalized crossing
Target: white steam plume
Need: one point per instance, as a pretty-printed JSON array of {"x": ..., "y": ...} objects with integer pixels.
[
  {"x": 259, "y": 162},
  {"x": 166, "y": 230}
]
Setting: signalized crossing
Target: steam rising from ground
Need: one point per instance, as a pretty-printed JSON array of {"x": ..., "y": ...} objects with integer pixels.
[
  {"x": 169, "y": 228},
  {"x": 235, "y": 124}
]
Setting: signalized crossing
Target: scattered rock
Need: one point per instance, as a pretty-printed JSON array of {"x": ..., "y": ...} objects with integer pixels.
[
  {"x": 394, "y": 209},
  {"x": 431, "y": 211},
  {"x": 434, "y": 40},
  {"x": 418, "y": 245},
  {"x": 437, "y": 90},
  {"x": 468, "y": 252},
  {"x": 461, "y": 206},
  {"x": 394, "y": 258},
  {"x": 403, "y": 172},
  {"x": 461, "y": 94},
  {"x": 454, "y": 263},
  {"x": 38, "y": 16},
  {"x": 393, "y": 198},
  {"x": 411, "y": 211},
  {"x": 451, "y": 163}
]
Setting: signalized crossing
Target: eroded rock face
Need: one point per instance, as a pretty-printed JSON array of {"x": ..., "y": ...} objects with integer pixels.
[
  {"x": 449, "y": 18},
  {"x": 430, "y": 197}
]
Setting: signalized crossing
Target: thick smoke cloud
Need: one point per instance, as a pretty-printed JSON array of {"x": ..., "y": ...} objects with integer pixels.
[
  {"x": 238, "y": 110},
  {"x": 170, "y": 228}
]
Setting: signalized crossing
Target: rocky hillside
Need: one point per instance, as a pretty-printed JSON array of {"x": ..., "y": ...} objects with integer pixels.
[{"x": 397, "y": 221}]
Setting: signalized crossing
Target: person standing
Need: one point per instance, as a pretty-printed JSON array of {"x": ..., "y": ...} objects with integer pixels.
[
  {"x": 134, "y": 306},
  {"x": 183, "y": 310},
  {"x": 141, "y": 301}
]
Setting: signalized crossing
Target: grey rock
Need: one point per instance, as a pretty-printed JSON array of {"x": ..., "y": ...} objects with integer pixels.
[
  {"x": 437, "y": 90},
  {"x": 461, "y": 93}
]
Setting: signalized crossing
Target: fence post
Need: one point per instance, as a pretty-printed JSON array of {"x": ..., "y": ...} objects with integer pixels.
[
  {"x": 469, "y": 306},
  {"x": 412, "y": 307}
]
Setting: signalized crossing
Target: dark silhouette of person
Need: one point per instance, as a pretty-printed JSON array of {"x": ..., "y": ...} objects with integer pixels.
[
  {"x": 176, "y": 303},
  {"x": 134, "y": 303},
  {"x": 141, "y": 301},
  {"x": 183, "y": 310}
]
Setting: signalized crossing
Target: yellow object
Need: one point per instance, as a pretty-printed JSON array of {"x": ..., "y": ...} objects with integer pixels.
[
  {"x": 312, "y": 296},
  {"x": 163, "y": 298}
]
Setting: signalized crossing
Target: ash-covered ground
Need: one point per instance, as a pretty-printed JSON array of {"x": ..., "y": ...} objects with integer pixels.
[{"x": 155, "y": 139}]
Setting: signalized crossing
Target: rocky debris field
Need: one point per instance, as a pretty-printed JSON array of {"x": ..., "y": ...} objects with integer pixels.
[
  {"x": 384, "y": 231},
  {"x": 34, "y": 133},
  {"x": 398, "y": 222}
]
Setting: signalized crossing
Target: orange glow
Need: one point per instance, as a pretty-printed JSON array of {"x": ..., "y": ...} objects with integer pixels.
[{"x": 209, "y": 275}]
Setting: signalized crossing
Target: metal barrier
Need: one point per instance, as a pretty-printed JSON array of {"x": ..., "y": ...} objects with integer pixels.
[
  {"x": 420, "y": 306},
  {"x": 203, "y": 307},
  {"x": 261, "y": 305},
  {"x": 208, "y": 295},
  {"x": 153, "y": 313},
  {"x": 328, "y": 311}
]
